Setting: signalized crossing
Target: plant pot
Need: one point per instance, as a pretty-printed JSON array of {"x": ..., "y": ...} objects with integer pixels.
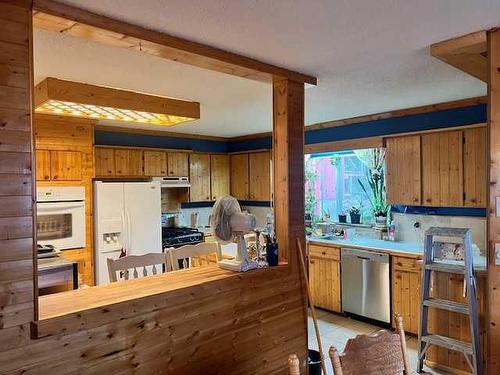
[
  {"x": 381, "y": 221},
  {"x": 355, "y": 218},
  {"x": 342, "y": 218}
]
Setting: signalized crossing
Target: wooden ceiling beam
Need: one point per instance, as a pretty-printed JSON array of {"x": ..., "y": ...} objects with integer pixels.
[
  {"x": 56, "y": 16},
  {"x": 467, "y": 53}
]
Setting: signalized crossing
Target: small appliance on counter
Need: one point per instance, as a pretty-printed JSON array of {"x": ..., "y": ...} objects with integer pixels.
[{"x": 46, "y": 251}]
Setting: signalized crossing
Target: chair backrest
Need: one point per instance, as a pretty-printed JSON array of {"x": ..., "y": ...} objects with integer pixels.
[
  {"x": 194, "y": 255},
  {"x": 379, "y": 353},
  {"x": 153, "y": 261},
  {"x": 293, "y": 364}
]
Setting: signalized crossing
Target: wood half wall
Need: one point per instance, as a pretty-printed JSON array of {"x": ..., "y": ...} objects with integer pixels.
[{"x": 249, "y": 324}]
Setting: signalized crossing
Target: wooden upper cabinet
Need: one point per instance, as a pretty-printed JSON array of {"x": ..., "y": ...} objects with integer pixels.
[
  {"x": 219, "y": 176},
  {"x": 43, "y": 165},
  {"x": 260, "y": 176},
  {"x": 403, "y": 170},
  {"x": 128, "y": 162},
  {"x": 104, "y": 162},
  {"x": 178, "y": 164},
  {"x": 66, "y": 165},
  {"x": 239, "y": 176},
  {"x": 155, "y": 163},
  {"x": 199, "y": 177},
  {"x": 475, "y": 167},
  {"x": 442, "y": 169}
]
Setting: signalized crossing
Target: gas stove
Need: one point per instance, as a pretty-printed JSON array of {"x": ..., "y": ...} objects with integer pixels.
[{"x": 177, "y": 237}]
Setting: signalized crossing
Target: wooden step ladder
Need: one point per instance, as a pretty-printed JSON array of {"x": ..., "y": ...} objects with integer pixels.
[{"x": 471, "y": 350}]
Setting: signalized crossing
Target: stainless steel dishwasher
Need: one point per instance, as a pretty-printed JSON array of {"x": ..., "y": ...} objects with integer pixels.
[{"x": 366, "y": 284}]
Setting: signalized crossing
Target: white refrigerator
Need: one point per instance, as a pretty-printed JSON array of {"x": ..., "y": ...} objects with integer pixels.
[{"x": 127, "y": 218}]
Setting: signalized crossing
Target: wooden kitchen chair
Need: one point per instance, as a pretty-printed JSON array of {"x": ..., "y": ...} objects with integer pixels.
[
  {"x": 157, "y": 262},
  {"x": 194, "y": 255},
  {"x": 293, "y": 364},
  {"x": 380, "y": 353}
]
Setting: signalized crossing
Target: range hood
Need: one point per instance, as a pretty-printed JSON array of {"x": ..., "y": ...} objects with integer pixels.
[{"x": 173, "y": 182}]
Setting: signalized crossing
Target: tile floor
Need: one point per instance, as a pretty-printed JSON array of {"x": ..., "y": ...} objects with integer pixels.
[{"x": 336, "y": 330}]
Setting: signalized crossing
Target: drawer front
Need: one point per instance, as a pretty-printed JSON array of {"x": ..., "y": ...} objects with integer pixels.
[
  {"x": 324, "y": 252},
  {"x": 406, "y": 264}
]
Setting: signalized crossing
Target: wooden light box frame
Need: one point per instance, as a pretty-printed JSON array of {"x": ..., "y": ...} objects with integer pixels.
[{"x": 67, "y": 98}]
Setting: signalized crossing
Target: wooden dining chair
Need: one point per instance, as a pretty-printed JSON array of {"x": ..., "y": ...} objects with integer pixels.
[
  {"x": 156, "y": 262},
  {"x": 380, "y": 353},
  {"x": 190, "y": 256},
  {"x": 293, "y": 364}
]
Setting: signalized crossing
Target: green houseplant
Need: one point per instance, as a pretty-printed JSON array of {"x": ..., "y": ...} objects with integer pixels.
[
  {"x": 355, "y": 214},
  {"x": 376, "y": 181}
]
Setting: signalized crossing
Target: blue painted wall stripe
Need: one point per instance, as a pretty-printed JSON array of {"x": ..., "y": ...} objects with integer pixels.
[
  {"x": 405, "y": 124},
  {"x": 142, "y": 140},
  {"x": 419, "y": 122},
  {"x": 441, "y": 211}
]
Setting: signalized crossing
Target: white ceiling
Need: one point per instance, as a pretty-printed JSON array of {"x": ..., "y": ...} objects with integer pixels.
[{"x": 369, "y": 56}]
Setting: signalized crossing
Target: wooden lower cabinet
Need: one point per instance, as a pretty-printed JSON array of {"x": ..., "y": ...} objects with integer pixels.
[
  {"x": 324, "y": 277},
  {"x": 406, "y": 291}
]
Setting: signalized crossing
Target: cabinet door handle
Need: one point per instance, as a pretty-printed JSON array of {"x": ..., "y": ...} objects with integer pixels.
[
  {"x": 311, "y": 261},
  {"x": 55, "y": 177}
]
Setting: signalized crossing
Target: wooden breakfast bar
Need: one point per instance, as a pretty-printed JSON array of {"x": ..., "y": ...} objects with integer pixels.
[{"x": 192, "y": 319}]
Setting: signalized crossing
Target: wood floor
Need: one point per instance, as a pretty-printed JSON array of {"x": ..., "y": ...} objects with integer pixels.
[{"x": 336, "y": 330}]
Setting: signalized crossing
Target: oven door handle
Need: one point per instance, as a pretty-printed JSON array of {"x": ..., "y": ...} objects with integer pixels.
[{"x": 48, "y": 207}]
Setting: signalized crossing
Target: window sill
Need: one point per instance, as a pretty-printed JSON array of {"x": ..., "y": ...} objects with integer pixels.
[{"x": 82, "y": 309}]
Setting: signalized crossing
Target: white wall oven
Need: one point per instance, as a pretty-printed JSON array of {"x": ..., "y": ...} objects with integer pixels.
[{"x": 60, "y": 218}]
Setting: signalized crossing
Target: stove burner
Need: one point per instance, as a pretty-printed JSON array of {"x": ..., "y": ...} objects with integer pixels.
[{"x": 176, "y": 237}]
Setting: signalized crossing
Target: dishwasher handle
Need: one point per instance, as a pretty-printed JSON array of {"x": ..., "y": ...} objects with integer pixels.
[
  {"x": 369, "y": 255},
  {"x": 363, "y": 258}
]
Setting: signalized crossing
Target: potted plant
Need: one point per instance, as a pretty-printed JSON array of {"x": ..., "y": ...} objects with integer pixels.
[
  {"x": 355, "y": 214},
  {"x": 375, "y": 177},
  {"x": 342, "y": 217}
]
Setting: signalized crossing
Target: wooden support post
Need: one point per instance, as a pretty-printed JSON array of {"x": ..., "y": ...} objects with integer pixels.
[
  {"x": 493, "y": 290},
  {"x": 288, "y": 161}
]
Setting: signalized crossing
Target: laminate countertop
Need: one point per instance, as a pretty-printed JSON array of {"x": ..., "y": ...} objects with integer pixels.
[{"x": 397, "y": 248}]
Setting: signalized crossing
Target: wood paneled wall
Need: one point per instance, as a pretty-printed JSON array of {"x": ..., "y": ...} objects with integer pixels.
[
  {"x": 493, "y": 363},
  {"x": 74, "y": 136},
  {"x": 17, "y": 302}
]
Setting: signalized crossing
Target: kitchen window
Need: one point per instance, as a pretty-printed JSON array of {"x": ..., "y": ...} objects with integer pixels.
[{"x": 338, "y": 181}]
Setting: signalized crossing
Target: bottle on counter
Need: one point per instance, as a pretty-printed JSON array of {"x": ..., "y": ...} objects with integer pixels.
[{"x": 391, "y": 232}]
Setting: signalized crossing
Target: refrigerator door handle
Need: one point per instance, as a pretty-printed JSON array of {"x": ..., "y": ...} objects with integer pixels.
[
  {"x": 128, "y": 231},
  {"x": 124, "y": 233}
]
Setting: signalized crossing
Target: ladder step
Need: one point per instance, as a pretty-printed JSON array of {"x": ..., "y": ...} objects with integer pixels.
[
  {"x": 447, "y": 232},
  {"x": 449, "y": 343},
  {"x": 446, "y": 267},
  {"x": 445, "y": 304}
]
